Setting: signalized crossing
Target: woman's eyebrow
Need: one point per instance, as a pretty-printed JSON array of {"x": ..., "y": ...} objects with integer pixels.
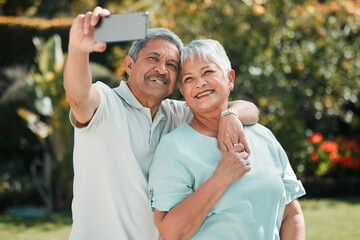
[
  {"x": 205, "y": 67},
  {"x": 189, "y": 73}
]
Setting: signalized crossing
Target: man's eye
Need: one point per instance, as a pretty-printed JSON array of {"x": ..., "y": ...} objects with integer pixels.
[
  {"x": 172, "y": 66},
  {"x": 208, "y": 72},
  {"x": 153, "y": 58}
]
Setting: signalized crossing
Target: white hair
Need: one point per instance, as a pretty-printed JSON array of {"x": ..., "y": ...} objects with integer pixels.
[{"x": 208, "y": 49}]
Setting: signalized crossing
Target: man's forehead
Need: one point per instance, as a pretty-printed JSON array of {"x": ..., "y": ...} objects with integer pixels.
[{"x": 160, "y": 47}]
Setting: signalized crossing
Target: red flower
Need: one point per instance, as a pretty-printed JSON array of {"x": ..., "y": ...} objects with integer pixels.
[
  {"x": 335, "y": 157},
  {"x": 314, "y": 156},
  {"x": 329, "y": 146},
  {"x": 352, "y": 145},
  {"x": 351, "y": 162},
  {"x": 341, "y": 139},
  {"x": 316, "y": 137}
]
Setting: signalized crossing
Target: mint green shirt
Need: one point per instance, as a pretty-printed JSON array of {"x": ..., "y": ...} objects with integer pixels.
[{"x": 251, "y": 208}]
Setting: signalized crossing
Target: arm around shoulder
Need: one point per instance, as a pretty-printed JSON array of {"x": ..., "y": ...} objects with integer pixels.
[{"x": 248, "y": 111}]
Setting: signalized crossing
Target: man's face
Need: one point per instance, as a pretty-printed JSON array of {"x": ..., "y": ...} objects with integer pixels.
[{"x": 153, "y": 76}]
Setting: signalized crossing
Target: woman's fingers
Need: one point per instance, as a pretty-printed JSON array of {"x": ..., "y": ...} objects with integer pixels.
[{"x": 238, "y": 147}]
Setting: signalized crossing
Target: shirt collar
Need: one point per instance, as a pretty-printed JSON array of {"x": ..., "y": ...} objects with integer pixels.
[{"x": 124, "y": 92}]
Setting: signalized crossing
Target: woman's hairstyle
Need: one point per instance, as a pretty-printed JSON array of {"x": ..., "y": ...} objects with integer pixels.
[
  {"x": 208, "y": 49},
  {"x": 155, "y": 33}
]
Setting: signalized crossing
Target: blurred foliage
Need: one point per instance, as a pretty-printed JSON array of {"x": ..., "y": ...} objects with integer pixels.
[
  {"x": 17, "y": 47},
  {"x": 297, "y": 60},
  {"x": 36, "y": 100}
]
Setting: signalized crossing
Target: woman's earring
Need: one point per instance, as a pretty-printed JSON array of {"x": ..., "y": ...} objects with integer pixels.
[{"x": 186, "y": 104}]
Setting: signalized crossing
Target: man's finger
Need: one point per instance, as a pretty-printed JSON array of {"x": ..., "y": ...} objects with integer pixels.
[
  {"x": 79, "y": 22},
  {"x": 104, "y": 12},
  {"x": 223, "y": 147},
  {"x": 99, "y": 47},
  {"x": 87, "y": 22},
  {"x": 245, "y": 143},
  {"x": 95, "y": 16}
]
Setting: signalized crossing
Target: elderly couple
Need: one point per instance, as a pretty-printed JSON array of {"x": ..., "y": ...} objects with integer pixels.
[{"x": 146, "y": 168}]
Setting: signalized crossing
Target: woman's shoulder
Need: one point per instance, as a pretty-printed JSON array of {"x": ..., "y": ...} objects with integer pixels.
[{"x": 178, "y": 133}]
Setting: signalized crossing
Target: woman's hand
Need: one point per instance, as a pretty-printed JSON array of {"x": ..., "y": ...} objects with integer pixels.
[
  {"x": 231, "y": 132},
  {"x": 81, "y": 37},
  {"x": 233, "y": 165}
]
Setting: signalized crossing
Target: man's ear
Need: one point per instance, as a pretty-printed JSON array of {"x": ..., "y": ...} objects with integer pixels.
[
  {"x": 129, "y": 62},
  {"x": 231, "y": 78}
]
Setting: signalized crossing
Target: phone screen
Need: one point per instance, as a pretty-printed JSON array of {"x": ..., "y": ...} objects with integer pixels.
[{"x": 122, "y": 27}]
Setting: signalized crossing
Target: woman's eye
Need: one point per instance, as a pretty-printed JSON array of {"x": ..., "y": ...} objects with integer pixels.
[
  {"x": 208, "y": 72},
  {"x": 187, "y": 79}
]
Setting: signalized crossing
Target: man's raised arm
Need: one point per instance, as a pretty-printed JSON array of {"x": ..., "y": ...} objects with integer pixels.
[{"x": 83, "y": 97}]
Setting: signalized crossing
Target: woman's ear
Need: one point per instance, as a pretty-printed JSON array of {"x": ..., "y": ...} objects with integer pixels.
[
  {"x": 231, "y": 78},
  {"x": 128, "y": 64}
]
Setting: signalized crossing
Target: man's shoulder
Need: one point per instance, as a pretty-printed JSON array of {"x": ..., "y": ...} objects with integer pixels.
[
  {"x": 100, "y": 86},
  {"x": 259, "y": 130},
  {"x": 170, "y": 104},
  {"x": 257, "y": 127}
]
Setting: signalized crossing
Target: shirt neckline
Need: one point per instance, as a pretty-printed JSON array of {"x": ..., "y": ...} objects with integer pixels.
[{"x": 125, "y": 93}]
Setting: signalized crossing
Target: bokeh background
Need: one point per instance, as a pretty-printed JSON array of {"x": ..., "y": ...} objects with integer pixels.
[{"x": 297, "y": 60}]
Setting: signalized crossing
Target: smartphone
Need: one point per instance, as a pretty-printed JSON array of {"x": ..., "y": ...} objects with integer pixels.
[{"x": 122, "y": 27}]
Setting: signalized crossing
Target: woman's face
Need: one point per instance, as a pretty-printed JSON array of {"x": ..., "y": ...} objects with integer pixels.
[{"x": 204, "y": 86}]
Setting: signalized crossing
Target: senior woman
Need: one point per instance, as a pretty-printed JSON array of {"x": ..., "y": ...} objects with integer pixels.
[{"x": 199, "y": 193}]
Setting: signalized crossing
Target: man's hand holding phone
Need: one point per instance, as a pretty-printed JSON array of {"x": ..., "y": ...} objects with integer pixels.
[
  {"x": 81, "y": 37},
  {"x": 91, "y": 31}
]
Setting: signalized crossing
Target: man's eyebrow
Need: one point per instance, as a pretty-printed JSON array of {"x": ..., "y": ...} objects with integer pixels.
[
  {"x": 175, "y": 61},
  {"x": 154, "y": 53}
]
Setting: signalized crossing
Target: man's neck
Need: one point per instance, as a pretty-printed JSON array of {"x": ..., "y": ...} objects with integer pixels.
[{"x": 151, "y": 103}]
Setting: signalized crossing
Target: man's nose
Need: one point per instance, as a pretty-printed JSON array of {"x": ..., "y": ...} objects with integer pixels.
[{"x": 161, "y": 68}]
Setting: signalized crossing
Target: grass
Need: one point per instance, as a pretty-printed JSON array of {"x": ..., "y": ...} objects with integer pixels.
[
  {"x": 326, "y": 219},
  {"x": 332, "y": 219},
  {"x": 53, "y": 227}
]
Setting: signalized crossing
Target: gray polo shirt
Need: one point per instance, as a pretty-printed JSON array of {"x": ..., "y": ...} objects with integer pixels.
[{"x": 111, "y": 158}]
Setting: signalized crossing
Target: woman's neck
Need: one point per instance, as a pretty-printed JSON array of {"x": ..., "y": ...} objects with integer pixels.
[{"x": 205, "y": 126}]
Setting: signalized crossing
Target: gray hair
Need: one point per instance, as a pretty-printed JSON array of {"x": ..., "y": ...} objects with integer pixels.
[
  {"x": 208, "y": 49},
  {"x": 155, "y": 33}
]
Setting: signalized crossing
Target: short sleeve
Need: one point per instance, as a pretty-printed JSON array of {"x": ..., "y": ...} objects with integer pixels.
[
  {"x": 96, "y": 119},
  {"x": 293, "y": 187},
  {"x": 170, "y": 180},
  {"x": 179, "y": 112}
]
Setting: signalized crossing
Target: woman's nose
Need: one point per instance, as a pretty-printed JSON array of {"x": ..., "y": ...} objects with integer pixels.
[{"x": 201, "y": 82}]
